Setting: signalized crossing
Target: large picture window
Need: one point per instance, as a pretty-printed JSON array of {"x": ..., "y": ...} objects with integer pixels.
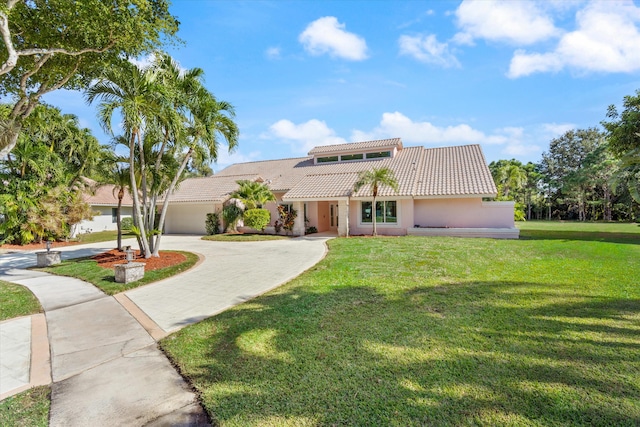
[{"x": 386, "y": 212}]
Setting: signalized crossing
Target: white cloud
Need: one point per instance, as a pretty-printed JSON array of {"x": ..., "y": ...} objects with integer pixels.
[
  {"x": 554, "y": 130},
  {"x": 143, "y": 62},
  {"x": 273, "y": 52},
  {"x": 515, "y": 22},
  {"x": 606, "y": 40},
  {"x": 304, "y": 136},
  {"x": 327, "y": 35},
  {"x": 427, "y": 49}
]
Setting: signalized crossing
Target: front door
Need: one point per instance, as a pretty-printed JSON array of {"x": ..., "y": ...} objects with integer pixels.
[{"x": 333, "y": 216}]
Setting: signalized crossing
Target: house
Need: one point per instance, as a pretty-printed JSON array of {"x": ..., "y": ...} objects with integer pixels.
[
  {"x": 441, "y": 192},
  {"x": 104, "y": 203}
]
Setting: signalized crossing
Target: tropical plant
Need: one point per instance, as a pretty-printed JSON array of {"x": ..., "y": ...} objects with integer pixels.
[
  {"x": 258, "y": 219},
  {"x": 253, "y": 194},
  {"x": 168, "y": 117},
  {"x": 212, "y": 223},
  {"x": 231, "y": 213},
  {"x": 287, "y": 218},
  {"x": 376, "y": 179}
]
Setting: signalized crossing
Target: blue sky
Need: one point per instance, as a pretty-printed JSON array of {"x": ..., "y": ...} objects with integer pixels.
[{"x": 507, "y": 75}]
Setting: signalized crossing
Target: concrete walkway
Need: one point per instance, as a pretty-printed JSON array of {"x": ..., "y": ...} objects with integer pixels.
[{"x": 105, "y": 366}]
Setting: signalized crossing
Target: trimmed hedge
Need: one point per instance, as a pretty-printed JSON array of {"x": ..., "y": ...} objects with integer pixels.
[{"x": 257, "y": 219}]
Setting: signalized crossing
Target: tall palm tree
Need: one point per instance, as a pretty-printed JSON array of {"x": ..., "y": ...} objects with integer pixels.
[
  {"x": 253, "y": 194},
  {"x": 135, "y": 94},
  {"x": 512, "y": 177},
  {"x": 375, "y": 179}
]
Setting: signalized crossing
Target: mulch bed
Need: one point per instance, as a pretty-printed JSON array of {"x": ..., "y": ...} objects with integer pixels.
[{"x": 166, "y": 259}]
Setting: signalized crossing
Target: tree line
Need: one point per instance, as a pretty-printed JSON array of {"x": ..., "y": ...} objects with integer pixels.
[{"x": 585, "y": 175}]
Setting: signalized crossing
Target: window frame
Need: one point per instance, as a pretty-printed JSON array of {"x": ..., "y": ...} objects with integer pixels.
[{"x": 384, "y": 221}]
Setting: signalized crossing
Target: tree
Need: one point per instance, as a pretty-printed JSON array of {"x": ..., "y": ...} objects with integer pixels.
[
  {"x": 623, "y": 129},
  {"x": 375, "y": 179},
  {"x": 168, "y": 116},
  {"x": 65, "y": 44},
  {"x": 253, "y": 194}
]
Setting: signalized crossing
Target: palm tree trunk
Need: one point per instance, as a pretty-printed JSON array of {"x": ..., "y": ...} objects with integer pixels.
[
  {"x": 142, "y": 241},
  {"x": 119, "y": 218},
  {"x": 374, "y": 216},
  {"x": 165, "y": 205}
]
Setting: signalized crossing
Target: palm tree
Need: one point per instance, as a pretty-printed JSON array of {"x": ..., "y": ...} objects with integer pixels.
[
  {"x": 374, "y": 179},
  {"x": 512, "y": 177},
  {"x": 135, "y": 95},
  {"x": 253, "y": 194}
]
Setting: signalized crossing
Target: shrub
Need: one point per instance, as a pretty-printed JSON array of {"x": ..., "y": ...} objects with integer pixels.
[
  {"x": 257, "y": 218},
  {"x": 126, "y": 223},
  {"x": 311, "y": 230},
  {"x": 212, "y": 223},
  {"x": 231, "y": 213},
  {"x": 287, "y": 218}
]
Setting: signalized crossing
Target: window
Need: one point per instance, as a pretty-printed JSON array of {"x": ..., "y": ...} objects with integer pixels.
[
  {"x": 351, "y": 157},
  {"x": 114, "y": 215},
  {"x": 378, "y": 155},
  {"x": 386, "y": 212},
  {"x": 327, "y": 159},
  {"x": 287, "y": 207}
]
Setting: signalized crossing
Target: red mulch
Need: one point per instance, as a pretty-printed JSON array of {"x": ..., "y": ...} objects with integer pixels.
[{"x": 166, "y": 259}]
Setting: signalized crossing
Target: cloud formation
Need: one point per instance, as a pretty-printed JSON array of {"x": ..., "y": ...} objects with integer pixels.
[
  {"x": 606, "y": 39},
  {"x": 427, "y": 49},
  {"x": 514, "y": 22},
  {"x": 327, "y": 36},
  {"x": 304, "y": 136}
]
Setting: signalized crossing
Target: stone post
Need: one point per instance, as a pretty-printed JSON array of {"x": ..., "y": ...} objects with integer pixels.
[{"x": 343, "y": 218}]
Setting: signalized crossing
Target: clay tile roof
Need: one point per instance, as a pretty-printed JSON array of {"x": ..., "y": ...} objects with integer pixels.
[
  {"x": 338, "y": 148},
  {"x": 451, "y": 171},
  {"x": 105, "y": 195},
  {"x": 212, "y": 188},
  {"x": 323, "y": 186}
]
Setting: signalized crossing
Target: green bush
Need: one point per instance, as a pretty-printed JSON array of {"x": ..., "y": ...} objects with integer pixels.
[
  {"x": 212, "y": 223},
  {"x": 257, "y": 219},
  {"x": 126, "y": 223},
  {"x": 231, "y": 214}
]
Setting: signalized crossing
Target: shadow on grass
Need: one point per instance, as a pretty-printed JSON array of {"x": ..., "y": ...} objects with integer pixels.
[
  {"x": 458, "y": 354},
  {"x": 590, "y": 236}
]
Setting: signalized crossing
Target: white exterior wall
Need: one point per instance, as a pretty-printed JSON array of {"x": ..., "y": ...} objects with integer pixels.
[
  {"x": 188, "y": 218},
  {"x": 103, "y": 220},
  {"x": 463, "y": 213}
]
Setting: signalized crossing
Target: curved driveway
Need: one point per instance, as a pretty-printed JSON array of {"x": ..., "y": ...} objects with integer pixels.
[{"x": 231, "y": 273}]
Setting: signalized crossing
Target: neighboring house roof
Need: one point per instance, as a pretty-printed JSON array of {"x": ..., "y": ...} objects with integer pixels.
[
  {"x": 420, "y": 172},
  {"x": 105, "y": 195}
]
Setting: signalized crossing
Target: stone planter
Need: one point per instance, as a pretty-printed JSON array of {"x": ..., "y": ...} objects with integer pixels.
[
  {"x": 47, "y": 258},
  {"x": 130, "y": 272}
]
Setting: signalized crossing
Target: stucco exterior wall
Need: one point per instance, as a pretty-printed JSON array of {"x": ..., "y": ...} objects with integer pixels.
[
  {"x": 463, "y": 213},
  {"x": 405, "y": 219},
  {"x": 188, "y": 218},
  {"x": 103, "y": 221}
]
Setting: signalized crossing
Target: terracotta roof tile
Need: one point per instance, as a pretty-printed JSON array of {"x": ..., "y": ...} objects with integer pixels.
[
  {"x": 421, "y": 172},
  {"x": 105, "y": 195}
]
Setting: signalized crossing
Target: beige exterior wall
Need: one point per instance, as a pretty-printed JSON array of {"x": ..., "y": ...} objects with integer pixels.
[
  {"x": 188, "y": 218},
  {"x": 463, "y": 213},
  {"x": 102, "y": 220}
]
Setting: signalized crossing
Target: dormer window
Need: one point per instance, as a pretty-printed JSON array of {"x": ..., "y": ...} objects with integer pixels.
[
  {"x": 379, "y": 155},
  {"x": 327, "y": 159},
  {"x": 347, "y": 157}
]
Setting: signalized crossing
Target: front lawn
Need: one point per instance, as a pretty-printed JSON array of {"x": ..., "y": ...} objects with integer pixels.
[
  {"x": 16, "y": 301},
  {"x": 27, "y": 409},
  {"x": 103, "y": 236},
  {"x": 104, "y": 278},
  {"x": 433, "y": 331}
]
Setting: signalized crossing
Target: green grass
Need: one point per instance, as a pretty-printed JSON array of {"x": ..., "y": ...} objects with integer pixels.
[
  {"x": 102, "y": 236},
  {"x": 433, "y": 331},
  {"x": 16, "y": 301},
  {"x": 573, "y": 230},
  {"x": 104, "y": 278},
  {"x": 243, "y": 237},
  {"x": 29, "y": 408}
]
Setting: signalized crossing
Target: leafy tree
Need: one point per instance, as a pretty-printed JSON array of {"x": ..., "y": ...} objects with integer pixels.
[
  {"x": 231, "y": 213},
  {"x": 65, "y": 44},
  {"x": 253, "y": 194},
  {"x": 375, "y": 179},
  {"x": 42, "y": 177},
  {"x": 623, "y": 129}
]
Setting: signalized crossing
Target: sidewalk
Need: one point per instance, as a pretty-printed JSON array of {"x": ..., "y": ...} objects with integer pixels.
[{"x": 105, "y": 365}]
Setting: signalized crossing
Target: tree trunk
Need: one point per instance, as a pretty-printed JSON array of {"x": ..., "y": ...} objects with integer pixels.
[
  {"x": 142, "y": 240},
  {"x": 119, "y": 218},
  {"x": 374, "y": 215}
]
